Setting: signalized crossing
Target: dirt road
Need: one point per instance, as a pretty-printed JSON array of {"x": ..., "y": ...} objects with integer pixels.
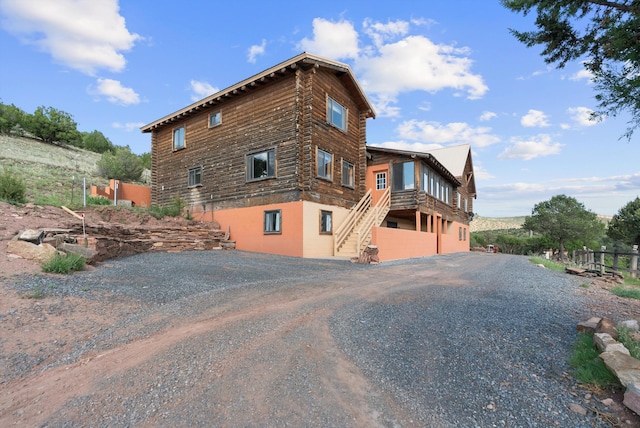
[{"x": 458, "y": 340}]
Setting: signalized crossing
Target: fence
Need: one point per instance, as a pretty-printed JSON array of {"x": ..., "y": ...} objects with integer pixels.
[{"x": 595, "y": 260}]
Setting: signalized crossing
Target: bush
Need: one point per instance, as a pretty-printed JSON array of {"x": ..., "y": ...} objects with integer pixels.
[
  {"x": 98, "y": 200},
  {"x": 64, "y": 263},
  {"x": 121, "y": 165},
  {"x": 12, "y": 188},
  {"x": 173, "y": 210}
]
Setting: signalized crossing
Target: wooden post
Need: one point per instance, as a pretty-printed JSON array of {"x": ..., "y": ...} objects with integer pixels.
[
  {"x": 615, "y": 260},
  {"x": 602, "y": 269},
  {"x": 634, "y": 261}
]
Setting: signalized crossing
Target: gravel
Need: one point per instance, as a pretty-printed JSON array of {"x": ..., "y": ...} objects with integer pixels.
[{"x": 461, "y": 340}]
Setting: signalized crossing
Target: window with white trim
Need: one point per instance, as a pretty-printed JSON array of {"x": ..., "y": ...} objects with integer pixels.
[
  {"x": 178, "y": 138},
  {"x": 348, "y": 174},
  {"x": 336, "y": 114},
  {"x": 381, "y": 180},
  {"x": 261, "y": 165},
  {"x": 273, "y": 222},
  {"x": 195, "y": 176},
  {"x": 325, "y": 164},
  {"x": 215, "y": 119}
]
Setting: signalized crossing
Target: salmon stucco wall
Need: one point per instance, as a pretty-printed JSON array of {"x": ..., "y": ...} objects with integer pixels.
[
  {"x": 394, "y": 244},
  {"x": 455, "y": 241},
  {"x": 247, "y": 229},
  {"x": 316, "y": 244},
  {"x": 136, "y": 193}
]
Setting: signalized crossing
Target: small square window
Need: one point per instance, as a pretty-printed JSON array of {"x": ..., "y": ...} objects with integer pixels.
[
  {"x": 392, "y": 224},
  {"x": 261, "y": 165},
  {"x": 381, "y": 181},
  {"x": 325, "y": 164},
  {"x": 326, "y": 222},
  {"x": 178, "y": 138},
  {"x": 195, "y": 176},
  {"x": 348, "y": 174},
  {"x": 215, "y": 119},
  {"x": 273, "y": 222},
  {"x": 336, "y": 114}
]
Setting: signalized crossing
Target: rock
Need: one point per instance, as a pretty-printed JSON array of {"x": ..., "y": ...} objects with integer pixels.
[
  {"x": 588, "y": 326},
  {"x": 632, "y": 397},
  {"x": 80, "y": 250},
  {"x": 606, "y": 325},
  {"x": 605, "y": 343},
  {"x": 27, "y": 250},
  {"x": 630, "y": 324},
  {"x": 607, "y": 402},
  {"x": 32, "y": 235},
  {"x": 577, "y": 409},
  {"x": 625, "y": 367}
]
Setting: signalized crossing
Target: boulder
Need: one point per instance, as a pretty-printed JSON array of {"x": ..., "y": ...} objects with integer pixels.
[
  {"x": 632, "y": 397},
  {"x": 606, "y": 325},
  {"x": 32, "y": 235},
  {"x": 88, "y": 253},
  {"x": 630, "y": 324},
  {"x": 588, "y": 326},
  {"x": 625, "y": 367},
  {"x": 27, "y": 250},
  {"x": 605, "y": 343}
]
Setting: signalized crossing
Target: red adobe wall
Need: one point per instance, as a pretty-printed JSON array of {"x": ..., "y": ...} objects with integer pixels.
[
  {"x": 451, "y": 242},
  {"x": 138, "y": 194},
  {"x": 394, "y": 244}
]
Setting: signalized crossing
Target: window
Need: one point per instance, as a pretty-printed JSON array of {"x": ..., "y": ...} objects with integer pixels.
[
  {"x": 464, "y": 234},
  {"x": 403, "y": 178},
  {"x": 425, "y": 179},
  {"x": 178, "y": 138},
  {"x": 215, "y": 119},
  {"x": 381, "y": 181},
  {"x": 326, "y": 222},
  {"x": 261, "y": 165},
  {"x": 466, "y": 205},
  {"x": 325, "y": 164},
  {"x": 272, "y": 221},
  {"x": 392, "y": 224},
  {"x": 459, "y": 234},
  {"x": 336, "y": 114},
  {"x": 195, "y": 176},
  {"x": 348, "y": 174},
  {"x": 459, "y": 199}
]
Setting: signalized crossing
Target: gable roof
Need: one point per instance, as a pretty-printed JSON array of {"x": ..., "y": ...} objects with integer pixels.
[
  {"x": 455, "y": 158},
  {"x": 304, "y": 60}
]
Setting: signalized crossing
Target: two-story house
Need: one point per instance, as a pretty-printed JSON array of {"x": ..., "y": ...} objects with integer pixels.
[{"x": 281, "y": 160}]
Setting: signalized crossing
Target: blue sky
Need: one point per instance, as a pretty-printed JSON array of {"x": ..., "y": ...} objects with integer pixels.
[{"x": 438, "y": 74}]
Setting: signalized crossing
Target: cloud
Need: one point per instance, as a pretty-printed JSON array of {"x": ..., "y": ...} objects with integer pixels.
[
  {"x": 256, "y": 50},
  {"x": 582, "y": 75},
  {"x": 334, "y": 40},
  {"x": 411, "y": 147},
  {"x": 380, "y": 32},
  {"x": 487, "y": 115},
  {"x": 455, "y": 132},
  {"x": 85, "y": 35},
  {"x": 115, "y": 92},
  {"x": 200, "y": 90},
  {"x": 534, "y": 118},
  {"x": 128, "y": 127},
  {"x": 537, "y": 146},
  {"x": 582, "y": 116}
]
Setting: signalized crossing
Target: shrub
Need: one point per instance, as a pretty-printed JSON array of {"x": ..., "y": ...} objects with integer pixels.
[
  {"x": 98, "y": 200},
  {"x": 173, "y": 210},
  {"x": 121, "y": 165},
  {"x": 12, "y": 188},
  {"x": 64, "y": 263}
]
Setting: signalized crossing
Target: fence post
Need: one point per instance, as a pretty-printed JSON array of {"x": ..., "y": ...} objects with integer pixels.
[
  {"x": 602, "y": 268},
  {"x": 634, "y": 261},
  {"x": 615, "y": 260}
]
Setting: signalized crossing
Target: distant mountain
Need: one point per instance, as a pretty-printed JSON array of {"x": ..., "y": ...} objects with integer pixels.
[{"x": 495, "y": 223}]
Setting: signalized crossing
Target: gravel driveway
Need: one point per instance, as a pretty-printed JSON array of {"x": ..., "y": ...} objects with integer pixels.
[{"x": 226, "y": 338}]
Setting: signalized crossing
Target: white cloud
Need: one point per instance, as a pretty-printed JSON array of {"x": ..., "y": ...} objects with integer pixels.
[
  {"x": 334, "y": 40},
  {"x": 115, "y": 92},
  {"x": 582, "y": 75},
  {"x": 534, "y": 118},
  {"x": 128, "y": 127},
  {"x": 487, "y": 115},
  {"x": 380, "y": 32},
  {"x": 455, "y": 132},
  {"x": 481, "y": 173},
  {"x": 256, "y": 50},
  {"x": 582, "y": 116},
  {"x": 200, "y": 90},
  {"x": 537, "y": 146},
  {"x": 412, "y": 147},
  {"x": 86, "y": 35}
]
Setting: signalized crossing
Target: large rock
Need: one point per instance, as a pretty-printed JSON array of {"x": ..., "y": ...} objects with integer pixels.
[
  {"x": 588, "y": 326},
  {"x": 606, "y": 325},
  {"x": 27, "y": 250},
  {"x": 32, "y": 235},
  {"x": 88, "y": 253},
  {"x": 625, "y": 367},
  {"x": 605, "y": 343},
  {"x": 632, "y": 397}
]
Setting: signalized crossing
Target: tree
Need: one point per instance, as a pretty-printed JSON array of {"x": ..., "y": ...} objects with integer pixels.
[
  {"x": 53, "y": 126},
  {"x": 121, "y": 165},
  {"x": 10, "y": 117},
  {"x": 563, "y": 220},
  {"x": 625, "y": 225},
  {"x": 96, "y": 142},
  {"x": 604, "y": 33}
]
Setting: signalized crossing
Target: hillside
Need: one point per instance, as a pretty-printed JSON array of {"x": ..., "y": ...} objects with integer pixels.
[
  {"x": 53, "y": 174},
  {"x": 480, "y": 224}
]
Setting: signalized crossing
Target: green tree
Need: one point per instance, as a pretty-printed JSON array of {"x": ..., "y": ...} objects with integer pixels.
[
  {"x": 96, "y": 142},
  {"x": 603, "y": 33},
  {"x": 53, "y": 126},
  {"x": 121, "y": 165},
  {"x": 146, "y": 160},
  {"x": 625, "y": 225},
  {"x": 563, "y": 220},
  {"x": 10, "y": 117}
]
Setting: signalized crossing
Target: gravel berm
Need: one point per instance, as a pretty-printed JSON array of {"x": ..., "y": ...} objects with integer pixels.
[{"x": 227, "y": 338}]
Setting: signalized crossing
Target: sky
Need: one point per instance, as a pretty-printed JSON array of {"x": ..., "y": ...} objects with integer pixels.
[{"x": 438, "y": 74}]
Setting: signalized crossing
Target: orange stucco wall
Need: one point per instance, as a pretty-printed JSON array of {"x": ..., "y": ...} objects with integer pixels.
[
  {"x": 371, "y": 180},
  {"x": 451, "y": 242},
  {"x": 247, "y": 229},
  {"x": 394, "y": 244},
  {"x": 139, "y": 195}
]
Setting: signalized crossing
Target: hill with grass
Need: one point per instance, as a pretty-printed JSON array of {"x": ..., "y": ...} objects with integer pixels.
[{"x": 480, "y": 224}]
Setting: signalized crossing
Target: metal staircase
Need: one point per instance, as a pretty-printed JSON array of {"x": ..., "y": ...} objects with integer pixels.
[{"x": 354, "y": 234}]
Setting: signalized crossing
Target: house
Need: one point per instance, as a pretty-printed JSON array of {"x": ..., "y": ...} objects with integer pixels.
[{"x": 281, "y": 159}]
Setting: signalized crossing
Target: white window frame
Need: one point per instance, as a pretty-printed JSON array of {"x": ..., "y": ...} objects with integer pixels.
[
  {"x": 381, "y": 180},
  {"x": 215, "y": 119},
  {"x": 273, "y": 222},
  {"x": 271, "y": 165},
  {"x": 179, "y": 138},
  {"x": 195, "y": 177},
  {"x": 324, "y": 169},
  {"x": 337, "y": 114}
]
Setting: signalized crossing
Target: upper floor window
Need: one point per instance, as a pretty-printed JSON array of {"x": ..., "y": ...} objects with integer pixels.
[
  {"x": 381, "y": 180},
  {"x": 215, "y": 119},
  {"x": 178, "y": 138},
  {"x": 261, "y": 165},
  {"x": 403, "y": 176},
  {"x": 336, "y": 114},
  {"x": 325, "y": 164},
  {"x": 348, "y": 174},
  {"x": 195, "y": 176},
  {"x": 273, "y": 221},
  {"x": 424, "y": 183}
]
